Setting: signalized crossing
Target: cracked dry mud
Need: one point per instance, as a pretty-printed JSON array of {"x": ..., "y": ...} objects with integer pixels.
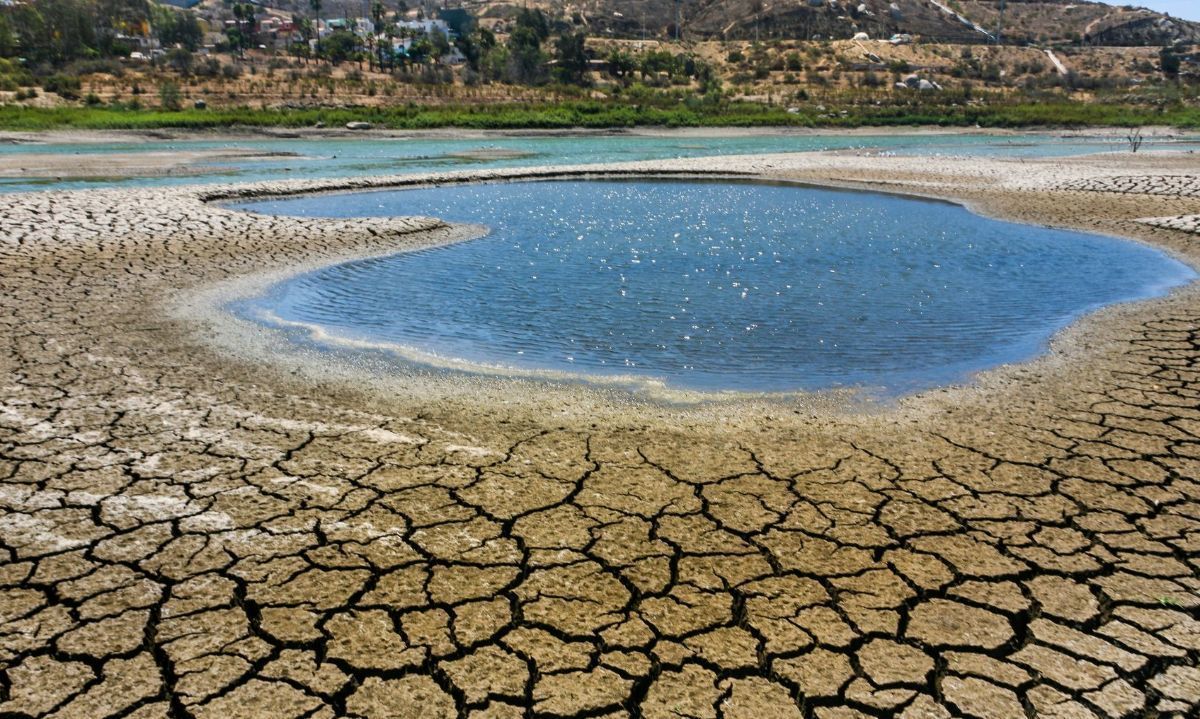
[{"x": 188, "y": 532}]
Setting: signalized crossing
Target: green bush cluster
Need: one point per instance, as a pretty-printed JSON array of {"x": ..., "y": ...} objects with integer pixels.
[
  {"x": 681, "y": 112},
  {"x": 13, "y": 77},
  {"x": 65, "y": 86}
]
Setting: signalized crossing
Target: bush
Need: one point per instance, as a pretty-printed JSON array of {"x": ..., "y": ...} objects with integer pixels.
[
  {"x": 210, "y": 67},
  {"x": 180, "y": 60},
  {"x": 169, "y": 96},
  {"x": 64, "y": 86}
]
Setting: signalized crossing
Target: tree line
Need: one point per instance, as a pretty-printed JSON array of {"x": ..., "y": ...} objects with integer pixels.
[
  {"x": 49, "y": 35},
  {"x": 57, "y": 32}
]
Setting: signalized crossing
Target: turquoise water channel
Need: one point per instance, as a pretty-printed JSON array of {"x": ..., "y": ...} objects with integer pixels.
[
  {"x": 309, "y": 158},
  {"x": 712, "y": 286}
]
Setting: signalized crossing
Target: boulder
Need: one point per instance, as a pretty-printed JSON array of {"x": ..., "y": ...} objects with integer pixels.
[{"x": 358, "y": 126}]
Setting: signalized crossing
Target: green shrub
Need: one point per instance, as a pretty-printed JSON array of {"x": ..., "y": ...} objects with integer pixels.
[
  {"x": 65, "y": 86},
  {"x": 169, "y": 96},
  {"x": 642, "y": 107}
]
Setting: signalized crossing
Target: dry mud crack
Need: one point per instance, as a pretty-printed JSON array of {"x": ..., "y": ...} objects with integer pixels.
[{"x": 185, "y": 532}]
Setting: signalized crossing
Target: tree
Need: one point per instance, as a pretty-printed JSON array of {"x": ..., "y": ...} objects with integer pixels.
[
  {"x": 59, "y": 31},
  {"x": 248, "y": 13},
  {"x": 459, "y": 20},
  {"x": 54, "y": 31},
  {"x": 572, "y": 59},
  {"x": 236, "y": 40},
  {"x": 439, "y": 43},
  {"x": 169, "y": 96},
  {"x": 658, "y": 61},
  {"x": 621, "y": 63},
  {"x": 1169, "y": 62},
  {"x": 339, "y": 46},
  {"x": 710, "y": 81},
  {"x": 525, "y": 58},
  {"x": 180, "y": 60},
  {"x": 242, "y": 35},
  {"x": 316, "y": 8},
  {"x": 305, "y": 27},
  {"x": 173, "y": 27},
  {"x": 536, "y": 21},
  {"x": 8, "y": 38},
  {"x": 377, "y": 17},
  {"x": 113, "y": 17}
]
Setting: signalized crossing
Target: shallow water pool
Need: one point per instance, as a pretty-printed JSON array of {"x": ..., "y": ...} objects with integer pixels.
[{"x": 713, "y": 285}]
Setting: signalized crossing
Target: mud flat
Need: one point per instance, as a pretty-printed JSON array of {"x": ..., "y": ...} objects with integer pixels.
[
  {"x": 200, "y": 519},
  {"x": 156, "y": 163}
]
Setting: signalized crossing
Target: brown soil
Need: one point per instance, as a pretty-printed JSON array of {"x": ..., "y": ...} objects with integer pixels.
[{"x": 199, "y": 521}]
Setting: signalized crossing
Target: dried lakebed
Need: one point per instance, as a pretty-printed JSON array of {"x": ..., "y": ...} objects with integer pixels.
[
  {"x": 710, "y": 286},
  {"x": 189, "y": 530}
]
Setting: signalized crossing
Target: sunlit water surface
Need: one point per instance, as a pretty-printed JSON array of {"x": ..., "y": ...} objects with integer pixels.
[{"x": 715, "y": 285}]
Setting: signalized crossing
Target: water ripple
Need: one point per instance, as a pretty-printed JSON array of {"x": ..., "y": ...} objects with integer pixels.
[{"x": 716, "y": 285}]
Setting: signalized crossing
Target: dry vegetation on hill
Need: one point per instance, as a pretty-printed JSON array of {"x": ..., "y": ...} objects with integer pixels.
[
  {"x": 778, "y": 72},
  {"x": 801, "y": 58}
]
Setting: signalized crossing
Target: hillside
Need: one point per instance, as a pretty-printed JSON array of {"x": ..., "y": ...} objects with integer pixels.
[
  {"x": 268, "y": 60},
  {"x": 959, "y": 21}
]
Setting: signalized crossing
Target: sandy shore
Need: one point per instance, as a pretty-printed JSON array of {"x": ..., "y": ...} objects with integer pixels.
[
  {"x": 200, "y": 519},
  {"x": 124, "y": 164}
]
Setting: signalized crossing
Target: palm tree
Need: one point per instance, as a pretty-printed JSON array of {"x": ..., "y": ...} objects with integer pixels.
[
  {"x": 238, "y": 16},
  {"x": 316, "y": 6},
  {"x": 377, "y": 14},
  {"x": 305, "y": 27}
]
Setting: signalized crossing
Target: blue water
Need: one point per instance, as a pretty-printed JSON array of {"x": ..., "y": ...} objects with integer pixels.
[
  {"x": 714, "y": 285},
  {"x": 354, "y": 157}
]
